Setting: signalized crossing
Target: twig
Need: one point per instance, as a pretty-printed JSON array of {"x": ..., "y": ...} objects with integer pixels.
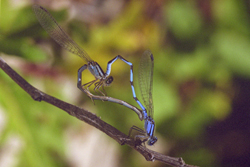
[{"x": 91, "y": 118}]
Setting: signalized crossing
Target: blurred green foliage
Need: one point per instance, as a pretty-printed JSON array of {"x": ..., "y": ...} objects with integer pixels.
[{"x": 198, "y": 46}]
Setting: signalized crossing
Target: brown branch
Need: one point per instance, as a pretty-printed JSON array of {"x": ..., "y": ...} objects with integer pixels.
[{"x": 91, "y": 119}]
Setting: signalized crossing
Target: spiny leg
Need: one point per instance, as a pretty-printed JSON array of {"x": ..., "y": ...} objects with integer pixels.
[
  {"x": 89, "y": 83},
  {"x": 98, "y": 85},
  {"x": 104, "y": 89},
  {"x": 135, "y": 128},
  {"x": 141, "y": 134}
]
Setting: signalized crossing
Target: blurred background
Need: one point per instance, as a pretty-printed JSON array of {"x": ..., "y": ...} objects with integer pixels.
[{"x": 201, "y": 81}]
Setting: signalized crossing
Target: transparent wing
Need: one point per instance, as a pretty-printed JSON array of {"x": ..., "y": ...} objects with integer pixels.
[
  {"x": 146, "y": 68},
  {"x": 57, "y": 33}
]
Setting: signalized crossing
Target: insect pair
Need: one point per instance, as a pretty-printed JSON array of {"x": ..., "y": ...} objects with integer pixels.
[{"x": 103, "y": 78}]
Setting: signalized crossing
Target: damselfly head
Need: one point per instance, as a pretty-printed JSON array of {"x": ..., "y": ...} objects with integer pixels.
[
  {"x": 108, "y": 81},
  {"x": 152, "y": 140}
]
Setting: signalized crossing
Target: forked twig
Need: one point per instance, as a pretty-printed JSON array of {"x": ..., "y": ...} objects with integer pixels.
[{"x": 91, "y": 118}]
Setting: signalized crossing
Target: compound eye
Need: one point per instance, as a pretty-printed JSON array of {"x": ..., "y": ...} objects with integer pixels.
[
  {"x": 152, "y": 141},
  {"x": 109, "y": 80}
]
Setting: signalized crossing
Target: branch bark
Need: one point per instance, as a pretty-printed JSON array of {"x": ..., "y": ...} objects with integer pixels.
[{"x": 92, "y": 119}]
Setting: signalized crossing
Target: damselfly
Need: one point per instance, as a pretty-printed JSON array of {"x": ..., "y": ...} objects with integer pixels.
[
  {"x": 146, "y": 84},
  {"x": 102, "y": 78}
]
